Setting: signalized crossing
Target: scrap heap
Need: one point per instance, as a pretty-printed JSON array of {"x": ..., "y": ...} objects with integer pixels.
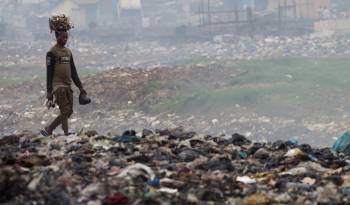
[{"x": 168, "y": 167}]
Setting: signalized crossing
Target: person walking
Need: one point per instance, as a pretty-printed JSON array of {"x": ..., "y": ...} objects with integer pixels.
[{"x": 61, "y": 71}]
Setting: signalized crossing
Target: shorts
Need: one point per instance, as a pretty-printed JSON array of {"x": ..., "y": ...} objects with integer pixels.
[{"x": 64, "y": 100}]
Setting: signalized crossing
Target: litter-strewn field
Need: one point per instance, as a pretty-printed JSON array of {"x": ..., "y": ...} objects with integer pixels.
[
  {"x": 264, "y": 99},
  {"x": 169, "y": 166}
]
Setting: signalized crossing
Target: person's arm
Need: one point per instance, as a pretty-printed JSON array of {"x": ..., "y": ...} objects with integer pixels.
[
  {"x": 50, "y": 69},
  {"x": 75, "y": 76}
]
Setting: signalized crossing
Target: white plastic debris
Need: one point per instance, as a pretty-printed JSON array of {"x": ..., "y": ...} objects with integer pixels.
[
  {"x": 34, "y": 183},
  {"x": 246, "y": 180},
  {"x": 294, "y": 152},
  {"x": 136, "y": 170},
  {"x": 168, "y": 190}
]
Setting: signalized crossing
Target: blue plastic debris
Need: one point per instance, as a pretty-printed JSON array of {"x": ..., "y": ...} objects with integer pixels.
[
  {"x": 294, "y": 140},
  {"x": 243, "y": 154},
  {"x": 312, "y": 157},
  {"x": 342, "y": 144},
  {"x": 346, "y": 190},
  {"x": 154, "y": 182},
  {"x": 126, "y": 139}
]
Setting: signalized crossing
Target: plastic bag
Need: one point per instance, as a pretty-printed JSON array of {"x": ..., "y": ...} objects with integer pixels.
[{"x": 342, "y": 144}]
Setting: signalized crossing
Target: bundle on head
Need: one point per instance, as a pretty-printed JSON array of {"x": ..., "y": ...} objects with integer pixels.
[{"x": 60, "y": 23}]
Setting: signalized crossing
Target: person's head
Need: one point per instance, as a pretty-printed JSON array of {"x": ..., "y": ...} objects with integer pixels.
[{"x": 61, "y": 37}]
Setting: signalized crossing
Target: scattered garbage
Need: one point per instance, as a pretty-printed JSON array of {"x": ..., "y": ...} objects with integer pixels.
[
  {"x": 342, "y": 144},
  {"x": 294, "y": 152},
  {"x": 167, "y": 165},
  {"x": 116, "y": 199},
  {"x": 246, "y": 180},
  {"x": 129, "y": 89},
  {"x": 96, "y": 169}
]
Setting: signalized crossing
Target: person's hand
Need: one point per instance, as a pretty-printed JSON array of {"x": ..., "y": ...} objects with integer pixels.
[
  {"x": 49, "y": 96},
  {"x": 82, "y": 91},
  {"x": 50, "y": 104}
]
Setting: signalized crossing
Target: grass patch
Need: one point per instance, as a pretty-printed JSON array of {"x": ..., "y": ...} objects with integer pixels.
[
  {"x": 154, "y": 86},
  {"x": 192, "y": 61},
  {"x": 327, "y": 73},
  {"x": 285, "y": 86},
  {"x": 11, "y": 81},
  {"x": 220, "y": 100}
]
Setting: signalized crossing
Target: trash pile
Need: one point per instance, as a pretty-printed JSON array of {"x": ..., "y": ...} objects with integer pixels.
[
  {"x": 170, "y": 166},
  {"x": 150, "y": 54}
]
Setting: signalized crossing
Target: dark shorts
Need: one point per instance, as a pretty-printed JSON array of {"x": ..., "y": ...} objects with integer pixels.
[{"x": 64, "y": 100}]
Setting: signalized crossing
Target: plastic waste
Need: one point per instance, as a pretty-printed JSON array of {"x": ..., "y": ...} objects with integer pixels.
[
  {"x": 137, "y": 170},
  {"x": 257, "y": 199},
  {"x": 345, "y": 190},
  {"x": 294, "y": 153},
  {"x": 246, "y": 180},
  {"x": 342, "y": 144},
  {"x": 243, "y": 154},
  {"x": 296, "y": 171},
  {"x": 294, "y": 140},
  {"x": 127, "y": 137},
  {"x": 116, "y": 199},
  {"x": 82, "y": 171},
  {"x": 168, "y": 190},
  {"x": 154, "y": 182}
]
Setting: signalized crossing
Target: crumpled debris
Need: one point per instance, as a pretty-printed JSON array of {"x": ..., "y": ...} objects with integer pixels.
[
  {"x": 294, "y": 152},
  {"x": 168, "y": 166},
  {"x": 137, "y": 171},
  {"x": 116, "y": 199},
  {"x": 127, "y": 136},
  {"x": 257, "y": 199},
  {"x": 246, "y": 180},
  {"x": 11, "y": 139},
  {"x": 58, "y": 196},
  {"x": 33, "y": 160}
]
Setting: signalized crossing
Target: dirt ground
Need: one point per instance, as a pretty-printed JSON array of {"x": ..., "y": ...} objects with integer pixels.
[
  {"x": 149, "y": 84},
  {"x": 125, "y": 98}
]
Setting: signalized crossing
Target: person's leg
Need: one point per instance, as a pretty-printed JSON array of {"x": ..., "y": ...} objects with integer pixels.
[
  {"x": 55, "y": 123},
  {"x": 67, "y": 110},
  {"x": 58, "y": 120},
  {"x": 63, "y": 99},
  {"x": 65, "y": 126}
]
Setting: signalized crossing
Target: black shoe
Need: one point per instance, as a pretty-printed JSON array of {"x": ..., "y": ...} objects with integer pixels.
[{"x": 44, "y": 133}]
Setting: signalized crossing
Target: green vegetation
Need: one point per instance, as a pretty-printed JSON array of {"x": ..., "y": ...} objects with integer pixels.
[
  {"x": 327, "y": 73},
  {"x": 6, "y": 81},
  {"x": 278, "y": 86},
  {"x": 154, "y": 86},
  {"x": 12, "y": 81},
  {"x": 192, "y": 61}
]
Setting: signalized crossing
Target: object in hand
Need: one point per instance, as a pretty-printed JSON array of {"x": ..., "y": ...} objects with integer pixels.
[
  {"x": 50, "y": 104},
  {"x": 49, "y": 96},
  {"x": 84, "y": 99}
]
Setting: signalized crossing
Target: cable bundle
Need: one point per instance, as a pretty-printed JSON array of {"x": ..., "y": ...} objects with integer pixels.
[{"x": 60, "y": 23}]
